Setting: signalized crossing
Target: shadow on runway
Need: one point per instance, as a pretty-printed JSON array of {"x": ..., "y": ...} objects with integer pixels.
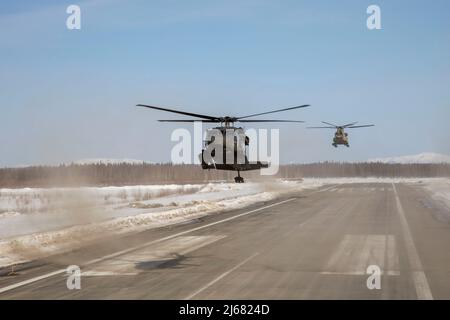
[{"x": 177, "y": 262}]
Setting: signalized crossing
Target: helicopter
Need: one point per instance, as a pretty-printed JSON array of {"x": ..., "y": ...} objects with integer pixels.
[
  {"x": 341, "y": 137},
  {"x": 236, "y": 148}
]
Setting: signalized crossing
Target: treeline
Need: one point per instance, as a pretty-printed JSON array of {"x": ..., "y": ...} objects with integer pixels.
[
  {"x": 134, "y": 174},
  {"x": 364, "y": 169},
  {"x": 106, "y": 175}
]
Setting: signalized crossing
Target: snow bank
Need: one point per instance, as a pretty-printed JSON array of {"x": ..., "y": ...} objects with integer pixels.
[
  {"x": 349, "y": 180},
  {"x": 439, "y": 189},
  {"x": 35, "y": 200}
]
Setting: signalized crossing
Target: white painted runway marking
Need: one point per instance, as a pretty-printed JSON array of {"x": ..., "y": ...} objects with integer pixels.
[
  {"x": 356, "y": 252},
  {"x": 95, "y": 273},
  {"x": 421, "y": 285},
  {"x": 359, "y": 273},
  {"x": 223, "y": 275},
  {"x": 23, "y": 283}
]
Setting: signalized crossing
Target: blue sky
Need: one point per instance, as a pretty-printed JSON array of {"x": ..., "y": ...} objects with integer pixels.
[{"x": 67, "y": 95}]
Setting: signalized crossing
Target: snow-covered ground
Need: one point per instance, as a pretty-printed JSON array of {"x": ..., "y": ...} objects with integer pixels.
[
  {"x": 439, "y": 189},
  {"x": 40, "y": 222}
]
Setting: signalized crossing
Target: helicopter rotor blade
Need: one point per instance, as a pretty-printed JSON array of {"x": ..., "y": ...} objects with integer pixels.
[
  {"x": 349, "y": 125},
  {"x": 180, "y": 112},
  {"x": 364, "y": 126},
  {"x": 295, "y": 121},
  {"x": 191, "y": 121},
  {"x": 330, "y": 124},
  {"x": 320, "y": 127},
  {"x": 280, "y": 110}
]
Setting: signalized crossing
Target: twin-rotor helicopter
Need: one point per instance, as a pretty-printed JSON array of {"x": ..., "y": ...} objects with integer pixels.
[
  {"x": 240, "y": 146},
  {"x": 340, "y": 136}
]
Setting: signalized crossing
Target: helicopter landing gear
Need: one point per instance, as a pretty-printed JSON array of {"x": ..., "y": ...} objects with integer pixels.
[{"x": 239, "y": 179}]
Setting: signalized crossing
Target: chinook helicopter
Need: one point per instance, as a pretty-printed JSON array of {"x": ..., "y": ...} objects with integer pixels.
[
  {"x": 235, "y": 148},
  {"x": 341, "y": 137}
]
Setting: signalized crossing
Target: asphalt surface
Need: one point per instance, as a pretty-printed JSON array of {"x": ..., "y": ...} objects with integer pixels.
[{"x": 309, "y": 245}]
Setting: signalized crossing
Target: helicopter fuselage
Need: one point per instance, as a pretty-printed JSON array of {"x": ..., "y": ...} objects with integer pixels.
[
  {"x": 229, "y": 152},
  {"x": 340, "y": 138}
]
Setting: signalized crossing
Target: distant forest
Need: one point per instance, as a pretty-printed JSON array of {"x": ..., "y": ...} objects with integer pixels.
[{"x": 135, "y": 174}]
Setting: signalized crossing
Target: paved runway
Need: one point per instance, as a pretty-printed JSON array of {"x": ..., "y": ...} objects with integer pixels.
[{"x": 308, "y": 245}]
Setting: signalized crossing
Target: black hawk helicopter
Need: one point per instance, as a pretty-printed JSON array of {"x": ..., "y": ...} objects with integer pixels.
[
  {"x": 341, "y": 137},
  {"x": 233, "y": 148}
]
